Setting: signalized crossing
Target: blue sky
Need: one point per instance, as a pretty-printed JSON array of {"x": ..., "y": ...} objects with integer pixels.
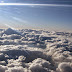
[{"x": 54, "y": 16}]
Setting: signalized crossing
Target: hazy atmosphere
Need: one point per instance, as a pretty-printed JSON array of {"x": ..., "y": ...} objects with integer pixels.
[{"x": 53, "y": 14}]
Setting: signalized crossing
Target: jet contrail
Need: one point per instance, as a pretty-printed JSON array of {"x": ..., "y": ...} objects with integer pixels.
[{"x": 24, "y": 4}]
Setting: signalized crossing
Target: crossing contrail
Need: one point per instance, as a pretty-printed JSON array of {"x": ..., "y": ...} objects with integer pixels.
[{"x": 24, "y": 4}]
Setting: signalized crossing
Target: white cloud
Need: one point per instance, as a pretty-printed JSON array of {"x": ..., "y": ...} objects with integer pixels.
[
  {"x": 18, "y": 53},
  {"x": 17, "y": 69},
  {"x": 3, "y": 68},
  {"x": 64, "y": 67},
  {"x": 23, "y": 4}
]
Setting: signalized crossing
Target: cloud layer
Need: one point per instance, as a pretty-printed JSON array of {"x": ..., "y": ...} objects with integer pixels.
[{"x": 35, "y": 51}]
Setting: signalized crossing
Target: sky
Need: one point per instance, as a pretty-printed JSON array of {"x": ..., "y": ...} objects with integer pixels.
[{"x": 36, "y": 14}]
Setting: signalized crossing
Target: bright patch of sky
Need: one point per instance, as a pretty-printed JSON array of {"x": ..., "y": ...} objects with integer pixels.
[{"x": 43, "y": 14}]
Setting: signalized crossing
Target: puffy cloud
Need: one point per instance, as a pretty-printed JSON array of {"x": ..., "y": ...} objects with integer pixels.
[
  {"x": 29, "y": 50},
  {"x": 3, "y": 68},
  {"x": 21, "y": 58},
  {"x": 65, "y": 67},
  {"x": 37, "y": 68},
  {"x": 2, "y": 63},
  {"x": 13, "y": 36},
  {"x": 17, "y": 69},
  {"x": 39, "y": 62}
]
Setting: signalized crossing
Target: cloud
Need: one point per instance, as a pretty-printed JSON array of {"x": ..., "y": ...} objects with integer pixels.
[
  {"x": 39, "y": 65},
  {"x": 12, "y": 37},
  {"x": 3, "y": 68},
  {"x": 65, "y": 67},
  {"x": 17, "y": 69},
  {"x": 19, "y": 19},
  {"x": 21, "y": 53},
  {"x": 24, "y": 4}
]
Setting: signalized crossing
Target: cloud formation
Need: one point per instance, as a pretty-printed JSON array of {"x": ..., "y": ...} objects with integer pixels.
[{"x": 35, "y": 51}]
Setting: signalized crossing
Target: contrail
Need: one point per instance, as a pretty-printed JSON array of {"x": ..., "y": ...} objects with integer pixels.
[{"x": 24, "y": 4}]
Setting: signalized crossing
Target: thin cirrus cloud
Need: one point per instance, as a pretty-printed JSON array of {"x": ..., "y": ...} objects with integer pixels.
[
  {"x": 18, "y": 19},
  {"x": 24, "y": 4}
]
